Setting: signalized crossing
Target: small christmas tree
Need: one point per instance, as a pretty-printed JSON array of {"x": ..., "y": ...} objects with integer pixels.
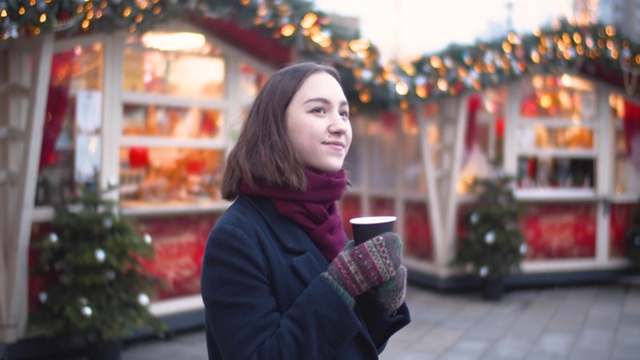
[
  {"x": 491, "y": 241},
  {"x": 96, "y": 287}
]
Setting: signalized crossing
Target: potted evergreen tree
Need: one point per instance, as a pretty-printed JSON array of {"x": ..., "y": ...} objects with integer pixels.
[
  {"x": 96, "y": 289},
  {"x": 491, "y": 243}
]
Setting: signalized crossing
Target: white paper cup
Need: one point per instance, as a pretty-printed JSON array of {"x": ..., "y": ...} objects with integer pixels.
[{"x": 367, "y": 227}]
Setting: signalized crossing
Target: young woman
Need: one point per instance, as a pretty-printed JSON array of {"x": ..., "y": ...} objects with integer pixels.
[{"x": 279, "y": 280}]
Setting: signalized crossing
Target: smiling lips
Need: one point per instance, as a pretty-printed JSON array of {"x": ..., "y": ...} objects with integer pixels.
[{"x": 335, "y": 144}]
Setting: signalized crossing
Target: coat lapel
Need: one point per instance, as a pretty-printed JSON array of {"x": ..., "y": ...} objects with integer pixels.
[{"x": 307, "y": 262}]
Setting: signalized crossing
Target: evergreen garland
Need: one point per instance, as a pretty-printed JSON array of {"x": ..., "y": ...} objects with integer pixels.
[
  {"x": 596, "y": 50},
  {"x": 96, "y": 288},
  {"x": 491, "y": 241}
]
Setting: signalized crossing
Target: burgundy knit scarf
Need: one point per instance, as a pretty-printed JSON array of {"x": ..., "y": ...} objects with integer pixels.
[{"x": 314, "y": 210}]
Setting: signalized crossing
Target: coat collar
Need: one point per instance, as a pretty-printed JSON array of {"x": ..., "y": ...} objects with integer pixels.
[{"x": 289, "y": 234}]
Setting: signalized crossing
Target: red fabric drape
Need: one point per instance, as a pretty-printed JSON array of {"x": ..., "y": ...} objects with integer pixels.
[
  {"x": 631, "y": 120},
  {"x": 473, "y": 105},
  {"x": 57, "y": 103}
]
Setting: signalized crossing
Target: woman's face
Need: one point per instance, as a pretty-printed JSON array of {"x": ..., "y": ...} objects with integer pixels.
[{"x": 317, "y": 121}]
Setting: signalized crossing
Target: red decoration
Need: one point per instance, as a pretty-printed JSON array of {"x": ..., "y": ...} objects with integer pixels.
[
  {"x": 500, "y": 127},
  {"x": 554, "y": 231},
  {"x": 389, "y": 121},
  {"x": 473, "y": 105},
  {"x": 631, "y": 117},
  {"x": 417, "y": 231},
  {"x": 195, "y": 167},
  {"x": 179, "y": 243},
  {"x": 138, "y": 157},
  {"x": 57, "y": 105},
  {"x": 529, "y": 108}
]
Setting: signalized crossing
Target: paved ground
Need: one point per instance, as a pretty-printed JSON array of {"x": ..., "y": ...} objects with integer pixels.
[{"x": 585, "y": 323}]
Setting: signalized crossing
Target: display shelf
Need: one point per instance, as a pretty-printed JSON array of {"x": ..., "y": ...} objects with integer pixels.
[
  {"x": 172, "y": 207},
  {"x": 562, "y": 122},
  {"x": 558, "y": 139},
  {"x": 555, "y": 194},
  {"x": 382, "y": 193},
  {"x": 176, "y": 305},
  {"x": 169, "y": 100},
  {"x": 585, "y": 264},
  {"x": 135, "y": 141},
  {"x": 556, "y": 153},
  {"x": 625, "y": 198},
  {"x": 415, "y": 196}
]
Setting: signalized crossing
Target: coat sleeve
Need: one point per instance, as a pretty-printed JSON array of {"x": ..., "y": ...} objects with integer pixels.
[
  {"x": 382, "y": 328},
  {"x": 242, "y": 317}
]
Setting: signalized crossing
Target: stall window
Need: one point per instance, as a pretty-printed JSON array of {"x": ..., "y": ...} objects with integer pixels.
[
  {"x": 627, "y": 146},
  {"x": 556, "y": 135},
  {"x": 483, "y": 140},
  {"x": 192, "y": 73},
  {"x": 175, "y": 104},
  {"x": 383, "y": 151},
  {"x": 71, "y": 141}
]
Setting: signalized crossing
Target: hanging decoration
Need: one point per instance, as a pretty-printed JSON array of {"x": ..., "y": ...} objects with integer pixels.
[{"x": 595, "y": 50}]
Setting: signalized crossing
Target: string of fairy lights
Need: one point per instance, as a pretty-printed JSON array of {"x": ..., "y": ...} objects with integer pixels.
[{"x": 564, "y": 48}]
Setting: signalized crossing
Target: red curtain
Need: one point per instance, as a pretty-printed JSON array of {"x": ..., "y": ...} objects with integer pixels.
[
  {"x": 57, "y": 103},
  {"x": 631, "y": 120},
  {"x": 473, "y": 105}
]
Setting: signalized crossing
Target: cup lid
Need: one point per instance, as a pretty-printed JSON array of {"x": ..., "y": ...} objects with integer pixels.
[{"x": 364, "y": 220}]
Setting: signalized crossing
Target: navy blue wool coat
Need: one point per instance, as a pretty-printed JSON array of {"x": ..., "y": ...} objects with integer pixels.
[{"x": 265, "y": 299}]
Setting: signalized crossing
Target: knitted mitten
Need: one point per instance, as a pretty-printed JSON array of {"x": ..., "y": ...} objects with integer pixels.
[
  {"x": 358, "y": 269},
  {"x": 389, "y": 296}
]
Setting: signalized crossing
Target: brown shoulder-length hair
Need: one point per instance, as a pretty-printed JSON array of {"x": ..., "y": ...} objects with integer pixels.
[{"x": 264, "y": 151}]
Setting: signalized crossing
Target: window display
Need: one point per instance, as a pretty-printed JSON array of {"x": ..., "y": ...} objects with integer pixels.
[
  {"x": 174, "y": 113},
  {"x": 413, "y": 167},
  {"x": 556, "y": 134},
  {"x": 175, "y": 73},
  {"x": 626, "y": 125},
  {"x": 171, "y": 121},
  {"x": 157, "y": 175},
  {"x": 383, "y": 166}
]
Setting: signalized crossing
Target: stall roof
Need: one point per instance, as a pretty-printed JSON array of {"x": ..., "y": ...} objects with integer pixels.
[{"x": 275, "y": 30}]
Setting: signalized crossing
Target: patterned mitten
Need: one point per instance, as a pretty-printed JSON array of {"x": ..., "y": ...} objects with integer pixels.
[
  {"x": 358, "y": 269},
  {"x": 389, "y": 296}
]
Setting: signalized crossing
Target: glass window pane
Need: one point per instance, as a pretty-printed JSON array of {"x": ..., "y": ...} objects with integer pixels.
[
  {"x": 163, "y": 174},
  {"x": 627, "y": 148},
  {"x": 172, "y": 73},
  {"x": 383, "y": 156},
  {"x": 557, "y": 172},
  {"x": 355, "y": 159},
  {"x": 172, "y": 121},
  {"x": 251, "y": 80},
  {"x": 558, "y": 97},
  {"x": 545, "y": 137},
  {"x": 73, "y": 124},
  {"x": 414, "y": 181}
]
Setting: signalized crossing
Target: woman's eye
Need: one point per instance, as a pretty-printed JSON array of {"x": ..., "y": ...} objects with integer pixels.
[
  {"x": 344, "y": 114},
  {"x": 319, "y": 110}
]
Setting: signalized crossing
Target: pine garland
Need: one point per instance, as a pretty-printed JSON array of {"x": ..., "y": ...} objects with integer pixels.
[{"x": 597, "y": 50}]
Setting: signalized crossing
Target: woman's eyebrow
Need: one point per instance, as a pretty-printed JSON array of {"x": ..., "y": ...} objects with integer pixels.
[
  {"x": 325, "y": 101},
  {"x": 317, "y": 99}
]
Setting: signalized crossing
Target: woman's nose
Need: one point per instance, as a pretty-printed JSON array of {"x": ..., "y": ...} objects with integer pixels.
[{"x": 338, "y": 124}]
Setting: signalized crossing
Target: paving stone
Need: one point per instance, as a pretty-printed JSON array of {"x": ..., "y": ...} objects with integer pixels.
[{"x": 572, "y": 323}]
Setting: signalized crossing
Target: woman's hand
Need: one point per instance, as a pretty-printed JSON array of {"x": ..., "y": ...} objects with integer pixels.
[
  {"x": 389, "y": 296},
  {"x": 358, "y": 269}
]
